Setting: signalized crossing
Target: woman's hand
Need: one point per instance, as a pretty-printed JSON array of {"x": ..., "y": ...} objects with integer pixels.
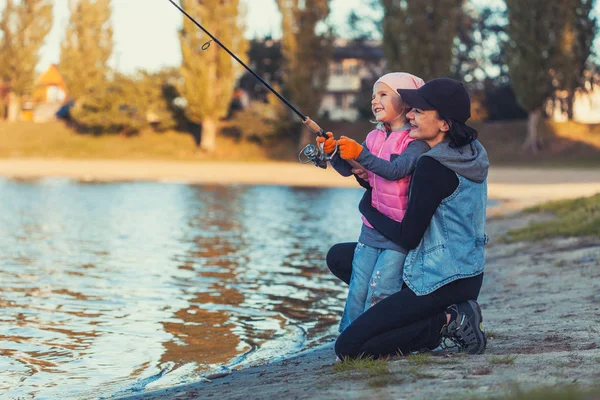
[
  {"x": 361, "y": 173},
  {"x": 349, "y": 149},
  {"x": 329, "y": 143}
]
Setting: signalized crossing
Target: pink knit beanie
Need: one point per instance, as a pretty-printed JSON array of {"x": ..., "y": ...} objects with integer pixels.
[{"x": 401, "y": 80}]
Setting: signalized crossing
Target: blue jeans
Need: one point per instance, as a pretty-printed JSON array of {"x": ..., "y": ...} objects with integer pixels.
[{"x": 376, "y": 274}]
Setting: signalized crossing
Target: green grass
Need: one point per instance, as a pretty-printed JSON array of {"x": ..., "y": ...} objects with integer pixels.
[
  {"x": 377, "y": 371},
  {"x": 507, "y": 360},
  {"x": 55, "y": 140},
  {"x": 420, "y": 359},
  {"x": 382, "y": 381},
  {"x": 490, "y": 334},
  {"x": 365, "y": 366},
  {"x": 579, "y": 217}
]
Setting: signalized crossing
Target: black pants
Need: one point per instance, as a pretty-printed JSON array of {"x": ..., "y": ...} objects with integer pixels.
[{"x": 401, "y": 323}]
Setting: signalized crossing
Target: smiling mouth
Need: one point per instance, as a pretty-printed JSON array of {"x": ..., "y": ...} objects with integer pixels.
[{"x": 376, "y": 110}]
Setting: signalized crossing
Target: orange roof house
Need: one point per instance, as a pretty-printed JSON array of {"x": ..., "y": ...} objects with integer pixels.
[
  {"x": 49, "y": 94},
  {"x": 50, "y": 87}
]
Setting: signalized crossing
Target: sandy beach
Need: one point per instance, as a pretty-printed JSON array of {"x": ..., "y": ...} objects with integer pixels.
[
  {"x": 540, "y": 300},
  {"x": 517, "y": 187}
]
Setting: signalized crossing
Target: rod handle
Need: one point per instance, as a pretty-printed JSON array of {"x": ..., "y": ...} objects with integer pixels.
[{"x": 314, "y": 127}]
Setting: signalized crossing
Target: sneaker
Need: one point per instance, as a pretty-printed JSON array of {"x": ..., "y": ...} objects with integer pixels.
[{"x": 465, "y": 331}]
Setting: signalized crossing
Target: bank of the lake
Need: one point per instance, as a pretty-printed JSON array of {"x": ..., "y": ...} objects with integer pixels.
[
  {"x": 541, "y": 313},
  {"x": 516, "y": 187}
]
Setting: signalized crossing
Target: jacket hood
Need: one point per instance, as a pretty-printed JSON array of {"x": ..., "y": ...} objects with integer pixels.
[{"x": 470, "y": 161}]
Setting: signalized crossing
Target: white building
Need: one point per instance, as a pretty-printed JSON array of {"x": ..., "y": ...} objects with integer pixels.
[{"x": 353, "y": 60}]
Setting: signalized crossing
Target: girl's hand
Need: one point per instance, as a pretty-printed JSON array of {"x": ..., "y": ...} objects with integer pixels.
[
  {"x": 330, "y": 143},
  {"x": 349, "y": 149},
  {"x": 361, "y": 173}
]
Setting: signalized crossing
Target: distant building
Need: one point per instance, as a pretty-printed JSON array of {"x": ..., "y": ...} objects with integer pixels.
[
  {"x": 353, "y": 61},
  {"x": 49, "y": 95}
]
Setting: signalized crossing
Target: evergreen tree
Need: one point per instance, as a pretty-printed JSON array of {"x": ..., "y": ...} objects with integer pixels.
[
  {"x": 23, "y": 28},
  {"x": 128, "y": 104},
  {"x": 116, "y": 108},
  {"x": 534, "y": 28},
  {"x": 265, "y": 59},
  {"x": 574, "y": 49},
  {"x": 210, "y": 75},
  {"x": 306, "y": 54},
  {"x": 87, "y": 47},
  {"x": 419, "y": 35}
]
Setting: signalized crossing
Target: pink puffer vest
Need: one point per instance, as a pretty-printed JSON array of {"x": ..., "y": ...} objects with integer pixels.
[{"x": 389, "y": 197}]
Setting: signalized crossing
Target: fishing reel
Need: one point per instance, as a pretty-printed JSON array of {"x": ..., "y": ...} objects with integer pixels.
[{"x": 316, "y": 155}]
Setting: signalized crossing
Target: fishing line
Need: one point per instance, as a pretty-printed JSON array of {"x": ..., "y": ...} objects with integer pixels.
[{"x": 315, "y": 128}]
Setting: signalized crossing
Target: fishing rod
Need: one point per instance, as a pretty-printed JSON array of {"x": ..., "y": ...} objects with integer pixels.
[{"x": 315, "y": 155}]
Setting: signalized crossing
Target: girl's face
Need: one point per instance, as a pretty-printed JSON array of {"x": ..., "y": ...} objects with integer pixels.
[
  {"x": 425, "y": 125},
  {"x": 386, "y": 104}
]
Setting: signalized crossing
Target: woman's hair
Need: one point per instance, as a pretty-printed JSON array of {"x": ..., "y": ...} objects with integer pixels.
[{"x": 459, "y": 133}]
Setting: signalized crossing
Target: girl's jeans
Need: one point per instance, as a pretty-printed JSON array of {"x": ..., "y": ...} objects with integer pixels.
[{"x": 376, "y": 274}]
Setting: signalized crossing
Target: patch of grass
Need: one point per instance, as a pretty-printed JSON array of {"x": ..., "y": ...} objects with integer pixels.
[
  {"x": 382, "y": 381},
  {"x": 571, "y": 392},
  {"x": 579, "y": 217},
  {"x": 420, "y": 359},
  {"x": 366, "y": 366},
  {"x": 565, "y": 144},
  {"x": 55, "y": 140},
  {"x": 490, "y": 334},
  {"x": 502, "y": 360},
  {"x": 417, "y": 373}
]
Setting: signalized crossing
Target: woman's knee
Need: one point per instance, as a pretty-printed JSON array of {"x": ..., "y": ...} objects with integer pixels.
[
  {"x": 339, "y": 260},
  {"x": 343, "y": 348}
]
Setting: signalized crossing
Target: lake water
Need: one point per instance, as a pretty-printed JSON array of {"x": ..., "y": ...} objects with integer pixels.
[{"x": 114, "y": 288}]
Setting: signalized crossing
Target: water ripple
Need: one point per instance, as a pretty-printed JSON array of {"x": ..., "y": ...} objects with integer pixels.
[{"x": 113, "y": 288}]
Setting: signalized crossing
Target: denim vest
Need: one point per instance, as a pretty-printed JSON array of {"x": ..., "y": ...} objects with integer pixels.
[{"x": 452, "y": 246}]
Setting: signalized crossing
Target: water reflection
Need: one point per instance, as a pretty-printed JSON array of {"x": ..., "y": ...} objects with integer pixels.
[{"x": 109, "y": 288}]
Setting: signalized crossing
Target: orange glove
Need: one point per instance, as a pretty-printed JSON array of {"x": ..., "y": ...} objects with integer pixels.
[
  {"x": 329, "y": 146},
  {"x": 349, "y": 149}
]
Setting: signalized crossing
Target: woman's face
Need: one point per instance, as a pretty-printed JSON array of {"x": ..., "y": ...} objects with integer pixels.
[
  {"x": 386, "y": 104},
  {"x": 425, "y": 125}
]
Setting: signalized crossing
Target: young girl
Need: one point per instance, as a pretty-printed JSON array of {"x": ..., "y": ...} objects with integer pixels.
[{"x": 389, "y": 155}]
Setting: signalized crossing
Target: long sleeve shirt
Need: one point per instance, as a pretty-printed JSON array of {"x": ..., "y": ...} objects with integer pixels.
[
  {"x": 431, "y": 183},
  {"x": 398, "y": 167}
]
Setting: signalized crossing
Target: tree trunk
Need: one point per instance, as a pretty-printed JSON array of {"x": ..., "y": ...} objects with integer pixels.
[
  {"x": 570, "y": 101},
  {"x": 208, "y": 139},
  {"x": 532, "y": 142},
  {"x": 14, "y": 107}
]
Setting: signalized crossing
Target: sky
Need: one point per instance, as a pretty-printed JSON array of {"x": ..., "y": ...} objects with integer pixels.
[{"x": 145, "y": 31}]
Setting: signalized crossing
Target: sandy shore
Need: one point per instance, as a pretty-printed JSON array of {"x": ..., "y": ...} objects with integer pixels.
[
  {"x": 517, "y": 186},
  {"x": 541, "y": 312}
]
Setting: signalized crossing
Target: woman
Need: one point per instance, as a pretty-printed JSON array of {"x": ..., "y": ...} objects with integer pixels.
[{"x": 443, "y": 231}]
